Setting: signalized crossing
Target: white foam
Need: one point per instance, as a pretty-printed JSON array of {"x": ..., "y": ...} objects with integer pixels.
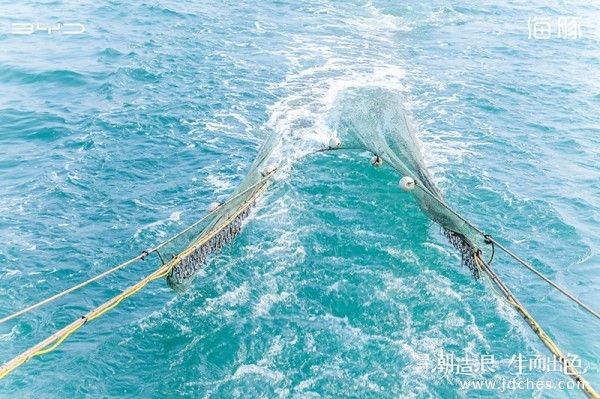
[
  {"x": 175, "y": 216},
  {"x": 248, "y": 369},
  {"x": 217, "y": 182},
  {"x": 335, "y": 63},
  {"x": 267, "y": 301},
  {"x": 302, "y": 118},
  {"x": 234, "y": 298},
  {"x": 378, "y": 22}
]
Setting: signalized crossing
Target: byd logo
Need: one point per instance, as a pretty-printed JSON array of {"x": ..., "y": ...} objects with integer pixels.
[{"x": 27, "y": 28}]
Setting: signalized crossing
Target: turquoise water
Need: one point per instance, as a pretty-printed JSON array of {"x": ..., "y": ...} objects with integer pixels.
[{"x": 115, "y": 139}]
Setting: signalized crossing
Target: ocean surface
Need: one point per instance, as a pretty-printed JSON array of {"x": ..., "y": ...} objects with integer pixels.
[{"x": 338, "y": 286}]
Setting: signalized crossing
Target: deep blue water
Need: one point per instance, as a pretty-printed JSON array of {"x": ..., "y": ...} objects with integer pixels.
[{"x": 115, "y": 139}]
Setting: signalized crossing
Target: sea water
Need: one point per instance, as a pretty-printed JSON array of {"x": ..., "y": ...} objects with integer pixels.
[{"x": 115, "y": 138}]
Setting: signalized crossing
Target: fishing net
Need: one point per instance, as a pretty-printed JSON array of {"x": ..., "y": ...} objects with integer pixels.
[
  {"x": 373, "y": 118},
  {"x": 222, "y": 224},
  {"x": 367, "y": 118}
]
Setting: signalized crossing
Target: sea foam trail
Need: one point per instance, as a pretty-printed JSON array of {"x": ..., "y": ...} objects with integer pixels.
[
  {"x": 332, "y": 100},
  {"x": 328, "y": 292}
]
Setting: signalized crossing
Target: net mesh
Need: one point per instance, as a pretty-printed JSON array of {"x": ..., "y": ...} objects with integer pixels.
[
  {"x": 373, "y": 118},
  {"x": 367, "y": 118},
  {"x": 222, "y": 225}
]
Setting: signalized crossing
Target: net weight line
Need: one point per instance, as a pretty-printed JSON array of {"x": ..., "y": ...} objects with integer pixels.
[
  {"x": 535, "y": 326},
  {"x": 53, "y": 341},
  {"x": 122, "y": 265}
]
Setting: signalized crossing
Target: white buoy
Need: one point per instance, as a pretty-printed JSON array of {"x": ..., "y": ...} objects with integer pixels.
[
  {"x": 268, "y": 170},
  {"x": 407, "y": 183},
  {"x": 376, "y": 161},
  {"x": 334, "y": 142},
  {"x": 213, "y": 206}
]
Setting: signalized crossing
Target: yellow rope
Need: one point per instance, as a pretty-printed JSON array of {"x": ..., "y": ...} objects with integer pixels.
[
  {"x": 161, "y": 245},
  {"x": 69, "y": 290},
  {"x": 126, "y": 263},
  {"x": 55, "y": 340},
  {"x": 535, "y": 326},
  {"x": 402, "y": 169}
]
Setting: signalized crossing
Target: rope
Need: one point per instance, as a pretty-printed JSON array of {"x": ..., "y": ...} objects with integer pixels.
[
  {"x": 120, "y": 266},
  {"x": 488, "y": 241},
  {"x": 535, "y": 326},
  {"x": 487, "y": 237},
  {"x": 546, "y": 279},
  {"x": 52, "y": 342},
  {"x": 520, "y": 260},
  {"x": 507, "y": 294},
  {"x": 69, "y": 290}
]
